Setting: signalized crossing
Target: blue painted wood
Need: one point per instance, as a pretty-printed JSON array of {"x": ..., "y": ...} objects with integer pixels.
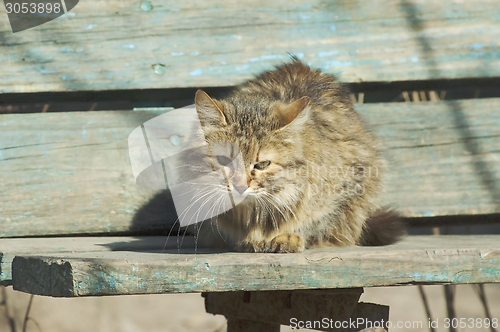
[
  {"x": 9, "y": 248},
  {"x": 417, "y": 259},
  {"x": 103, "y": 45},
  {"x": 443, "y": 156},
  {"x": 69, "y": 173}
]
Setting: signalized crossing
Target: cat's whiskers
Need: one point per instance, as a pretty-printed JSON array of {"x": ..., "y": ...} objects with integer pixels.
[
  {"x": 218, "y": 206},
  {"x": 179, "y": 244},
  {"x": 214, "y": 192},
  {"x": 285, "y": 218},
  {"x": 217, "y": 220},
  {"x": 203, "y": 204},
  {"x": 263, "y": 203},
  {"x": 289, "y": 209},
  {"x": 186, "y": 211},
  {"x": 196, "y": 200},
  {"x": 276, "y": 204}
]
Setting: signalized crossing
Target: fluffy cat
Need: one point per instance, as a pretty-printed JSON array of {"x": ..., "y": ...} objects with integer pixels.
[{"x": 312, "y": 172}]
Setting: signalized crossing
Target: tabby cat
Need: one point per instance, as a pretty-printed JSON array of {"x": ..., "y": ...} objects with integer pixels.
[{"x": 312, "y": 172}]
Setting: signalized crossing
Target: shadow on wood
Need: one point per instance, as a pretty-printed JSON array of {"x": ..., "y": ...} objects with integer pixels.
[{"x": 319, "y": 309}]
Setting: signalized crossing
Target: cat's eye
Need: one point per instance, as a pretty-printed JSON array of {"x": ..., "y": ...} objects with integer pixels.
[
  {"x": 223, "y": 160},
  {"x": 262, "y": 164}
]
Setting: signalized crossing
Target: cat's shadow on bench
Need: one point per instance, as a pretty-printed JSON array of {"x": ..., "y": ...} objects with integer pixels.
[{"x": 155, "y": 228}]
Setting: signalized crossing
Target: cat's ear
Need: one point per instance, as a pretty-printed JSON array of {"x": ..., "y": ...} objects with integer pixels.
[
  {"x": 209, "y": 111},
  {"x": 288, "y": 113}
]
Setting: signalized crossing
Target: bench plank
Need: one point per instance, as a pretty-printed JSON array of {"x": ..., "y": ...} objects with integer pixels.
[
  {"x": 69, "y": 173},
  {"x": 417, "y": 259},
  {"x": 106, "y": 45},
  {"x": 443, "y": 157},
  {"x": 9, "y": 248}
]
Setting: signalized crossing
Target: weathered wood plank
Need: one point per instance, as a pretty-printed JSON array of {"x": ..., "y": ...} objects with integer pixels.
[
  {"x": 69, "y": 173},
  {"x": 443, "y": 157},
  {"x": 9, "y": 248},
  {"x": 104, "y": 45},
  {"x": 418, "y": 259}
]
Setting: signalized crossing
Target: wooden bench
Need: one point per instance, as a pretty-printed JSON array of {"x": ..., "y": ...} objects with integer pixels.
[{"x": 67, "y": 174}]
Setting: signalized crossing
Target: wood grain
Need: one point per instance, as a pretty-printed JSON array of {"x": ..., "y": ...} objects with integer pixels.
[
  {"x": 69, "y": 173},
  {"x": 106, "y": 45},
  {"x": 443, "y": 157},
  {"x": 9, "y": 248},
  {"x": 415, "y": 260}
]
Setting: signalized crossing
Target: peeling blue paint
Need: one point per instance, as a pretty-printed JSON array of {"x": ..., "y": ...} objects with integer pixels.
[
  {"x": 66, "y": 49},
  {"x": 322, "y": 54},
  {"x": 43, "y": 71},
  {"x": 435, "y": 277},
  {"x": 196, "y": 72},
  {"x": 242, "y": 67},
  {"x": 339, "y": 63},
  {"x": 478, "y": 54},
  {"x": 270, "y": 57},
  {"x": 177, "y": 53}
]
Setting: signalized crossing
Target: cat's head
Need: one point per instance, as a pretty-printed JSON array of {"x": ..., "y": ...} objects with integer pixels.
[{"x": 267, "y": 133}]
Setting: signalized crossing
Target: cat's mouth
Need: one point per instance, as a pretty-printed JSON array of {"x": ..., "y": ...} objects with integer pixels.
[{"x": 238, "y": 194}]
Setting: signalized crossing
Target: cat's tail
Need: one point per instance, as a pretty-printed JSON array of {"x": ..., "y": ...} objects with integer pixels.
[{"x": 385, "y": 227}]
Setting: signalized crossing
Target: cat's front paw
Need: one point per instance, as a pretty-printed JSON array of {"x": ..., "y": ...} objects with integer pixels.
[
  {"x": 287, "y": 243},
  {"x": 251, "y": 246}
]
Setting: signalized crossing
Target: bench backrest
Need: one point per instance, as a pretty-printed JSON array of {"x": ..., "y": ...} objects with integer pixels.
[
  {"x": 110, "y": 45},
  {"x": 69, "y": 173}
]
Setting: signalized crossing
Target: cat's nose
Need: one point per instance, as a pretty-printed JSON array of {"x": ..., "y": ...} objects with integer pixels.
[{"x": 240, "y": 189}]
